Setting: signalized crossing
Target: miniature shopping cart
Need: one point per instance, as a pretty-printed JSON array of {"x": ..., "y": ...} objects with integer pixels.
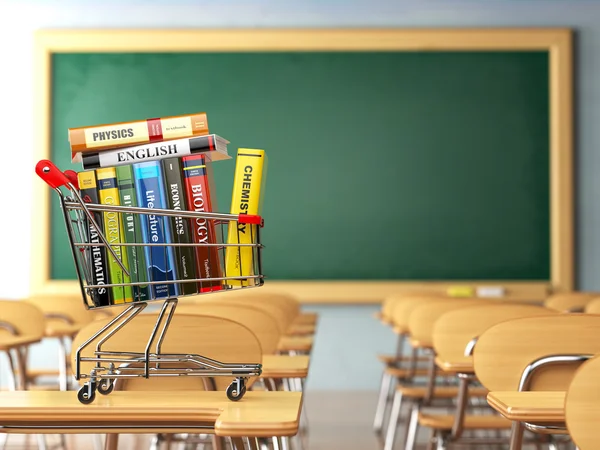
[{"x": 87, "y": 239}]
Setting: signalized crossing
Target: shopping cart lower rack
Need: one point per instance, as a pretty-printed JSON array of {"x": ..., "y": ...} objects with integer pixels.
[{"x": 87, "y": 241}]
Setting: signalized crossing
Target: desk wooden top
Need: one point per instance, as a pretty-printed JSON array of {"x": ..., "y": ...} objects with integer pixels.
[
  {"x": 300, "y": 330},
  {"x": 295, "y": 343},
  {"x": 260, "y": 414},
  {"x": 462, "y": 366},
  {"x": 533, "y": 407},
  {"x": 307, "y": 318},
  {"x": 8, "y": 342},
  {"x": 283, "y": 366},
  {"x": 60, "y": 329}
]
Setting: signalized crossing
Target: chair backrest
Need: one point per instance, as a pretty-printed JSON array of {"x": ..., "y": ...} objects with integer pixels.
[
  {"x": 404, "y": 307},
  {"x": 505, "y": 350},
  {"x": 63, "y": 309},
  {"x": 593, "y": 306},
  {"x": 217, "y": 338},
  {"x": 257, "y": 321},
  {"x": 454, "y": 330},
  {"x": 570, "y": 301},
  {"x": 423, "y": 317},
  {"x": 23, "y": 317},
  {"x": 582, "y": 405}
]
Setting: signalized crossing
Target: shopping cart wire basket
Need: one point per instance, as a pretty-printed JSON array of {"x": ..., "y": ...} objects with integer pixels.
[{"x": 87, "y": 238}]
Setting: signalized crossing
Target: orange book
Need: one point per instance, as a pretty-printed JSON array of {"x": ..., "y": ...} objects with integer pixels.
[{"x": 125, "y": 134}]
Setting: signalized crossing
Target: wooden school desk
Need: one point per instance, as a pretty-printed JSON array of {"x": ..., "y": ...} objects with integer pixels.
[
  {"x": 258, "y": 414},
  {"x": 283, "y": 366},
  {"x": 530, "y": 406}
]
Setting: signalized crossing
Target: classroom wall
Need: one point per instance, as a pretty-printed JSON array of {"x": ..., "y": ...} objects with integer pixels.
[{"x": 348, "y": 337}]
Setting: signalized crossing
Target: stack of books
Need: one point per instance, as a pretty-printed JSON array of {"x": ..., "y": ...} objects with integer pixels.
[{"x": 164, "y": 163}]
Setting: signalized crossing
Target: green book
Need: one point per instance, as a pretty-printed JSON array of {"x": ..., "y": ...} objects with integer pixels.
[
  {"x": 181, "y": 232},
  {"x": 133, "y": 234}
]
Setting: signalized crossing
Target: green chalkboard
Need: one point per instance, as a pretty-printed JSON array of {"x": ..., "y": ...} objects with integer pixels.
[{"x": 382, "y": 165}]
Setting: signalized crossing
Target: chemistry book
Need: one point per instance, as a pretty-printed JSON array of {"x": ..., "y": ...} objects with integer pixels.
[
  {"x": 96, "y": 255},
  {"x": 197, "y": 181},
  {"x": 133, "y": 234},
  {"x": 123, "y": 134},
  {"x": 247, "y": 194},
  {"x": 108, "y": 194},
  {"x": 181, "y": 231},
  {"x": 156, "y": 229},
  {"x": 211, "y": 145}
]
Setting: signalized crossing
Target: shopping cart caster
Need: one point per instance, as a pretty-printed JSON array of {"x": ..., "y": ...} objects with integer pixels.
[
  {"x": 106, "y": 386},
  {"x": 87, "y": 393},
  {"x": 236, "y": 390}
]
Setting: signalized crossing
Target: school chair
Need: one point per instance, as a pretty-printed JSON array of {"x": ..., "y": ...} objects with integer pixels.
[
  {"x": 535, "y": 354},
  {"x": 399, "y": 367},
  {"x": 65, "y": 315},
  {"x": 570, "y": 301},
  {"x": 291, "y": 307},
  {"x": 454, "y": 335},
  {"x": 582, "y": 405},
  {"x": 21, "y": 324},
  {"x": 213, "y": 337},
  {"x": 421, "y": 320}
]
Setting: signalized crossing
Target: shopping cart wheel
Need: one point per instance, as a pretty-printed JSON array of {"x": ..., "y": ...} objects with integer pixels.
[
  {"x": 87, "y": 393},
  {"x": 236, "y": 390},
  {"x": 106, "y": 386}
]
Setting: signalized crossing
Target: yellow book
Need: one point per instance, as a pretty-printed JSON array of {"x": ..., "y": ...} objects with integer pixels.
[
  {"x": 248, "y": 187},
  {"x": 114, "y": 232}
]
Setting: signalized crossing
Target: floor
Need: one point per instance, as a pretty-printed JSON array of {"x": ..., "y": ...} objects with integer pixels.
[{"x": 337, "y": 420}]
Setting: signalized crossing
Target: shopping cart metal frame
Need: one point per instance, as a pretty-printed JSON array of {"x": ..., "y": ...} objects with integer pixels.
[{"x": 112, "y": 365}]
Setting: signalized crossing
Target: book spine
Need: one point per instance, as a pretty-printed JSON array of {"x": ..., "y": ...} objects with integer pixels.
[
  {"x": 246, "y": 199},
  {"x": 180, "y": 227},
  {"x": 210, "y": 144},
  {"x": 149, "y": 186},
  {"x": 198, "y": 195},
  {"x": 133, "y": 234},
  {"x": 122, "y": 134},
  {"x": 108, "y": 194},
  {"x": 96, "y": 255}
]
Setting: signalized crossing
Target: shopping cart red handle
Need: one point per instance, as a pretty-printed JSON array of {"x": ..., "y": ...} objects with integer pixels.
[
  {"x": 72, "y": 176},
  {"x": 48, "y": 172},
  {"x": 251, "y": 219}
]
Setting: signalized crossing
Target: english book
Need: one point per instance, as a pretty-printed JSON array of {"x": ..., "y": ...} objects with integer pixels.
[
  {"x": 108, "y": 194},
  {"x": 95, "y": 255},
  {"x": 248, "y": 189},
  {"x": 197, "y": 182},
  {"x": 133, "y": 234},
  {"x": 214, "y": 147},
  {"x": 181, "y": 231},
  {"x": 156, "y": 229},
  {"x": 124, "y": 134}
]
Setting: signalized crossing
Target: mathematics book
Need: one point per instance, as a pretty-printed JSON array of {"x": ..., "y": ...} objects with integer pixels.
[
  {"x": 95, "y": 255},
  {"x": 247, "y": 195},
  {"x": 181, "y": 231},
  {"x": 214, "y": 147},
  {"x": 124, "y": 134},
  {"x": 200, "y": 195},
  {"x": 108, "y": 194},
  {"x": 133, "y": 234},
  {"x": 156, "y": 229}
]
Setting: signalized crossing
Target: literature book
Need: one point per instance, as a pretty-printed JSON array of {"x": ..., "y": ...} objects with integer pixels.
[
  {"x": 133, "y": 234},
  {"x": 213, "y": 146},
  {"x": 181, "y": 231},
  {"x": 123, "y": 134},
  {"x": 248, "y": 188},
  {"x": 156, "y": 229},
  {"x": 96, "y": 255},
  {"x": 197, "y": 180},
  {"x": 108, "y": 194}
]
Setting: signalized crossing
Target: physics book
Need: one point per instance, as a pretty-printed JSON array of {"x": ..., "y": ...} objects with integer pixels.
[{"x": 123, "y": 134}]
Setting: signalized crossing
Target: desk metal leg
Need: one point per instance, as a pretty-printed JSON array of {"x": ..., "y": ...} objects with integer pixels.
[
  {"x": 62, "y": 365},
  {"x": 516, "y": 436},
  {"x": 112, "y": 442}
]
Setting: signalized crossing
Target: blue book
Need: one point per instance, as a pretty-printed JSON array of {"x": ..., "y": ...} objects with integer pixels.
[{"x": 150, "y": 190}]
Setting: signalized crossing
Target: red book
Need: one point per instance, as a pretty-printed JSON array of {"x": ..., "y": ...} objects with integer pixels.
[{"x": 198, "y": 189}]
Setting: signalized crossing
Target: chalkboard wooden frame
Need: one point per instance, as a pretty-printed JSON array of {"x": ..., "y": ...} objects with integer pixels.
[{"x": 557, "y": 41}]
